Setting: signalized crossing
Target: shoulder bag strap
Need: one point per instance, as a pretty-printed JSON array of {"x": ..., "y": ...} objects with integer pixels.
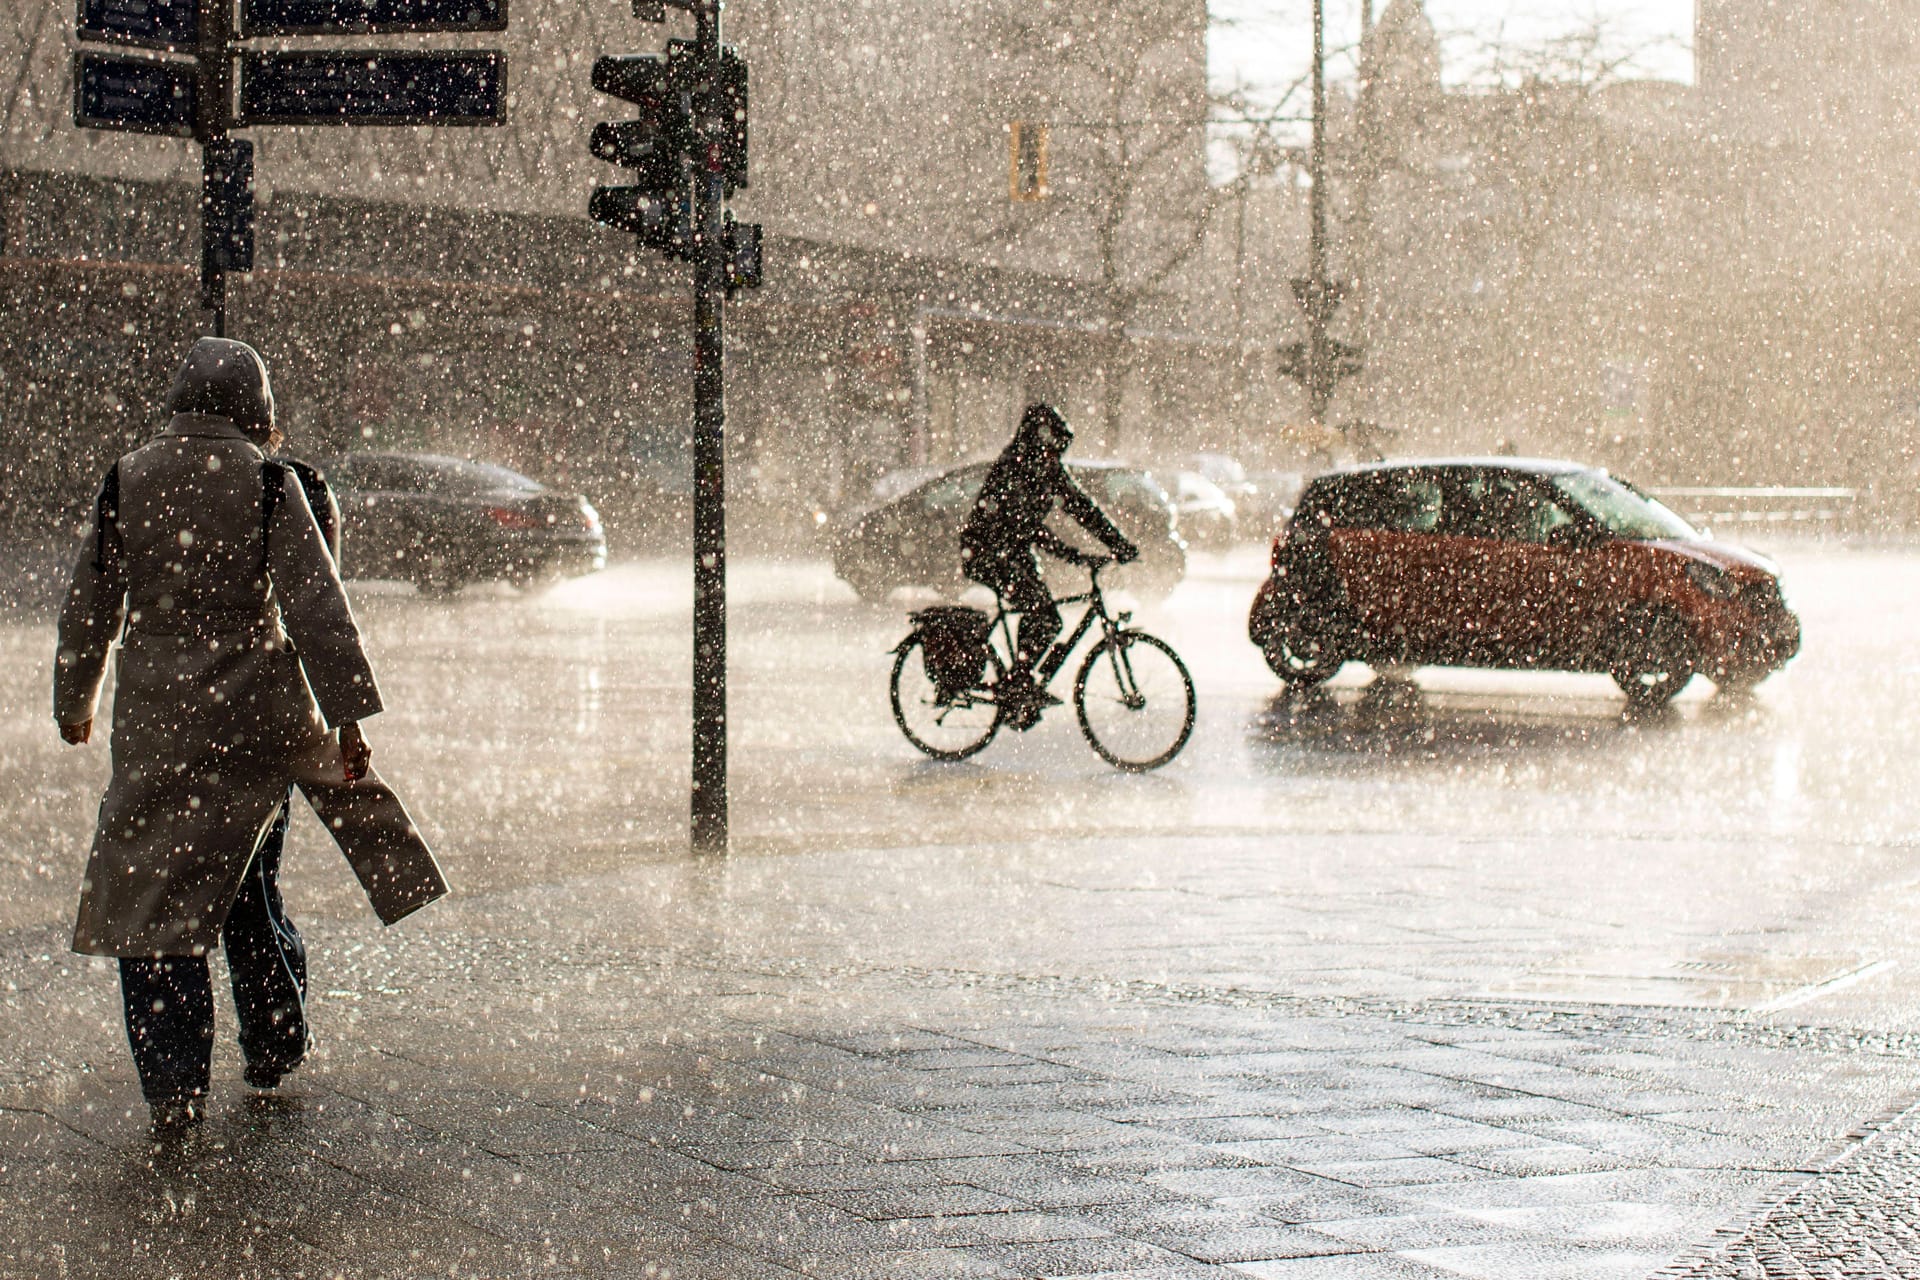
[{"x": 106, "y": 508}]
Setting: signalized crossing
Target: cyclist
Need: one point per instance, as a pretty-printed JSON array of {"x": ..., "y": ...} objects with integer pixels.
[{"x": 1008, "y": 523}]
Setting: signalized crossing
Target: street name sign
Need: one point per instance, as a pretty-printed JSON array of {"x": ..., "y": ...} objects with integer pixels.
[
  {"x": 367, "y": 17},
  {"x": 367, "y": 88},
  {"x": 172, "y": 25},
  {"x": 136, "y": 95}
]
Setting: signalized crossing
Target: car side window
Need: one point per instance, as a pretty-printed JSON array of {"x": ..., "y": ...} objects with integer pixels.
[
  {"x": 1414, "y": 506},
  {"x": 1392, "y": 501},
  {"x": 376, "y": 474},
  {"x": 1505, "y": 507},
  {"x": 950, "y": 493},
  {"x": 1548, "y": 516}
]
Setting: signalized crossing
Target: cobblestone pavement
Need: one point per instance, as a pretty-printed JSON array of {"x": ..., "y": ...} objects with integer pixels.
[
  {"x": 643, "y": 1095},
  {"x": 1854, "y": 1217}
]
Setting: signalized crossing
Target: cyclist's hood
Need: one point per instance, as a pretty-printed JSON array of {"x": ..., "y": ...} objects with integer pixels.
[{"x": 1042, "y": 426}]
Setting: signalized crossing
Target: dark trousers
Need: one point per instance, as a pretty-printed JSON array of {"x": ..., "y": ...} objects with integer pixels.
[
  {"x": 1017, "y": 580},
  {"x": 169, "y": 999}
]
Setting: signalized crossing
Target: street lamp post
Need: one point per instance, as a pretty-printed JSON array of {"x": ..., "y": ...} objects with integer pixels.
[
  {"x": 1319, "y": 302},
  {"x": 1320, "y": 362}
]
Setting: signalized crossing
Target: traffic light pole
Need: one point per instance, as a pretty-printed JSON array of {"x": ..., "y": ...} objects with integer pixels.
[
  {"x": 709, "y": 827},
  {"x": 1319, "y": 304},
  {"x": 211, "y": 130}
]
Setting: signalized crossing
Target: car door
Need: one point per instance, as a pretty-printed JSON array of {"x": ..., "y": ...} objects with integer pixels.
[
  {"x": 1384, "y": 544},
  {"x": 1511, "y": 568},
  {"x": 373, "y": 531}
]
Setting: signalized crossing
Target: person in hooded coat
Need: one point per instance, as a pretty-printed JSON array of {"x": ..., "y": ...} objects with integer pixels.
[
  {"x": 240, "y": 673},
  {"x": 1025, "y": 485}
]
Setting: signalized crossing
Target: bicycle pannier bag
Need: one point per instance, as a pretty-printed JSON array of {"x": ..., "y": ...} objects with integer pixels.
[{"x": 954, "y": 639}]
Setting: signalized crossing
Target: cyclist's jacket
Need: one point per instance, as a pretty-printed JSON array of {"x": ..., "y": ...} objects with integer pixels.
[{"x": 1021, "y": 490}]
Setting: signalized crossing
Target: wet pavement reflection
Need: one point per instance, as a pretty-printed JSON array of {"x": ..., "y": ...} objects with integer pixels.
[{"x": 1385, "y": 967}]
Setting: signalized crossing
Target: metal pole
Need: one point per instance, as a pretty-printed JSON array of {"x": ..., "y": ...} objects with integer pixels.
[
  {"x": 1241, "y": 382},
  {"x": 709, "y": 828},
  {"x": 216, "y": 118},
  {"x": 1319, "y": 303}
]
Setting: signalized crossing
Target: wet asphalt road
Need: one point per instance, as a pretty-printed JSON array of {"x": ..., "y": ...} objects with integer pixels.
[
  {"x": 1461, "y": 833},
  {"x": 1465, "y": 913}
]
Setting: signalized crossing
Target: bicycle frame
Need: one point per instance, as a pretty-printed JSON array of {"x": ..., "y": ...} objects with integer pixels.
[{"x": 1055, "y": 658}]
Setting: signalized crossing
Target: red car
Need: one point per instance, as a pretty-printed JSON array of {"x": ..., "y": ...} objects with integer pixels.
[{"x": 1517, "y": 563}]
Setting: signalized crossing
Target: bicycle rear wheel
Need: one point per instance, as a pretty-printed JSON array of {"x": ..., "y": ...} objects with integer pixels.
[
  {"x": 1135, "y": 701},
  {"x": 945, "y": 728}
]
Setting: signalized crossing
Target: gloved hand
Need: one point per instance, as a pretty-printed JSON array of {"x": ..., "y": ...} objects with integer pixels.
[{"x": 1127, "y": 553}]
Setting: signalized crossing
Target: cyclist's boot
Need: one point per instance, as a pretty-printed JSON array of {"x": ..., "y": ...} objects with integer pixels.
[{"x": 1021, "y": 700}]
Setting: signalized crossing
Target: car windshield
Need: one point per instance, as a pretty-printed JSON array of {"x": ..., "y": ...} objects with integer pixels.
[
  {"x": 1120, "y": 485},
  {"x": 1624, "y": 512}
]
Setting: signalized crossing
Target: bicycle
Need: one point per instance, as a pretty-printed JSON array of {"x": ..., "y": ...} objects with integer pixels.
[{"x": 1133, "y": 694}]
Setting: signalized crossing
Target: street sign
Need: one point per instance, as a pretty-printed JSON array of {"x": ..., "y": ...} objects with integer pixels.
[
  {"x": 366, "y": 17},
  {"x": 137, "y": 95},
  {"x": 172, "y": 25},
  {"x": 373, "y": 88},
  {"x": 656, "y": 10}
]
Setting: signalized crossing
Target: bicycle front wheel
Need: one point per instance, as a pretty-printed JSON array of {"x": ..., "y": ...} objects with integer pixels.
[
  {"x": 1135, "y": 701},
  {"x": 946, "y": 728}
]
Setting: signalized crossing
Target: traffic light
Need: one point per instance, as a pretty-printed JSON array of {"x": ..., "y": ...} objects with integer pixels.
[
  {"x": 1344, "y": 360},
  {"x": 729, "y": 103},
  {"x": 659, "y": 206},
  {"x": 692, "y": 127},
  {"x": 743, "y": 254},
  {"x": 226, "y": 206},
  {"x": 1292, "y": 361},
  {"x": 1348, "y": 361},
  {"x": 733, "y": 107}
]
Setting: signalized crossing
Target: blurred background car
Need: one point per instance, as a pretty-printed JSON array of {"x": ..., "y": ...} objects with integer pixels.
[
  {"x": 1268, "y": 504},
  {"x": 914, "y": 540},
  {"x": 441, "y": 523},
  {"x": 1514, "y": 563},
  {"x": 1224, "y": 470},
  {"x": 1203, "y": 513}
]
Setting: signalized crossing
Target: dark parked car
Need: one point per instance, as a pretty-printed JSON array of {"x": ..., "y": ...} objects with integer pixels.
[
  {"x": 1511, "y": 563},
  {"x": 914, "y": 540},
  {"x": 441, "y": 523}
]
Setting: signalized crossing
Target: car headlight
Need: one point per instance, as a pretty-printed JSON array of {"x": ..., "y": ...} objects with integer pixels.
[{"x": 1714, "y": 582}]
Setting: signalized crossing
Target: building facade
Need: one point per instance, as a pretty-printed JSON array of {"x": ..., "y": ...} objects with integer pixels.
[{"x": 945, "y": 240}]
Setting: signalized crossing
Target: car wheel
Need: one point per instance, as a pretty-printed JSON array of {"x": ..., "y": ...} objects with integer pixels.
[
  {"x": 1305, "y": 657},
  {"x": 1653, "y": 657}
]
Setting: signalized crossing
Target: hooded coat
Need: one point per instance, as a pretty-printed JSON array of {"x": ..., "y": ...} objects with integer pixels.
[
  {"x": 1022, "y": 488},
  {"x": 238, "y": 659}
]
